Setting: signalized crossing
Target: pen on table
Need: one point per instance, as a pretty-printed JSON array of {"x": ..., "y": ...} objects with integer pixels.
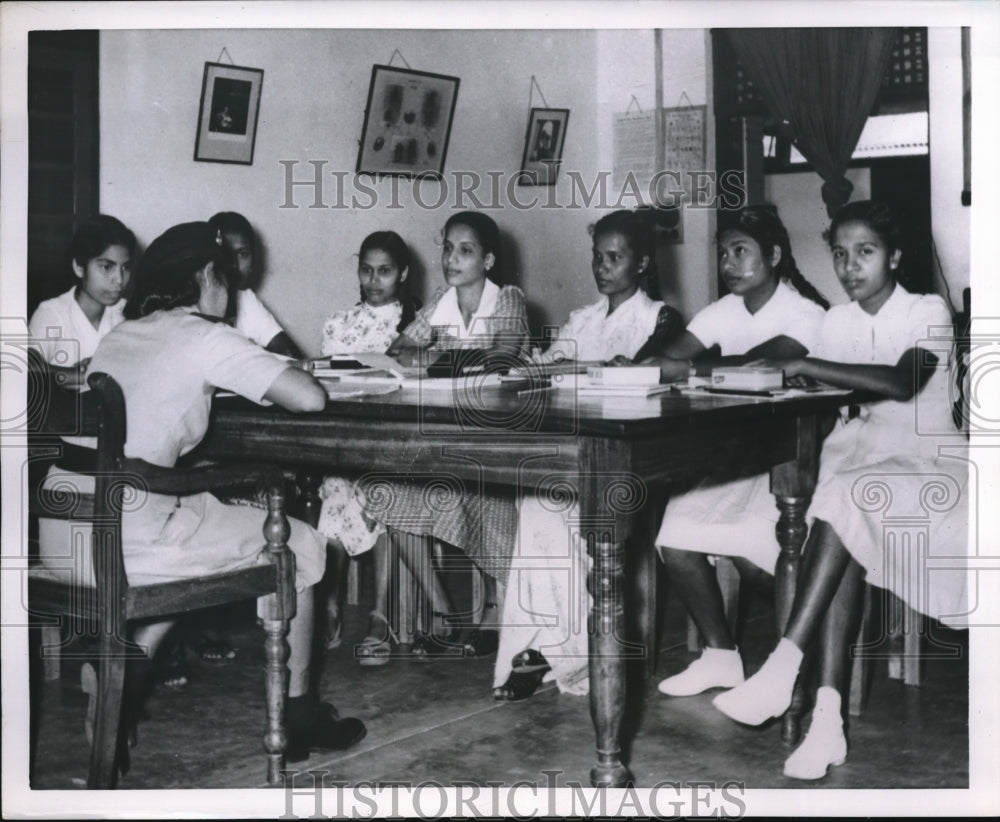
[{"x": 536, "y": 390}]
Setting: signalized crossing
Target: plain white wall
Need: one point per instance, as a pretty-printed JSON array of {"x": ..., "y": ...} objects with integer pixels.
[{"x": 314, "y": 92}]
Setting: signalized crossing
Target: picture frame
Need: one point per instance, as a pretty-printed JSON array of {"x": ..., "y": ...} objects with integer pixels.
[
  {"x": 407, "y": 123},
  {"x": 543, "y": 146},
  {"x": 228, "y": 113}
]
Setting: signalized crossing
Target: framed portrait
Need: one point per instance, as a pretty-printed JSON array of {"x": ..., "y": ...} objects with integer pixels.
[
  {"x": 227, "y": 116},
  {"x": 407, "y": 122},
  {"x": 543, "y": 146}
]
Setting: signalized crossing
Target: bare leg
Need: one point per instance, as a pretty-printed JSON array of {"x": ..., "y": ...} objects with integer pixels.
[
  {"x": 825, "y": 744},
  {"x": 695, "y": 583},
  {"x": 769, "y": 692},
  {"x": 719, "y": 665},
  {"x": 337, "y": 560},
  {"x": 380, "y": 559},
  {"x": 150, "y": 635},
  {"x": 300, "y": 632},
  {"x": 824, "y": 563},
  {"x": 417, "y": 556},
  {"x": 840, "y": 626}
]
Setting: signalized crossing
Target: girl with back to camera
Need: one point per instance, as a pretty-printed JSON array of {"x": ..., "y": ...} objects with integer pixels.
[
  {"x": 371, "y": 325},
  {"x": 771, "y": 310},
  {"x": 545, "y": 611},
  {"x": 903, "y": 445},
  {"x": 167, "y": 359}
]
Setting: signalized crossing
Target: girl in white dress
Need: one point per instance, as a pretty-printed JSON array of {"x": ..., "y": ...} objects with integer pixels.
[
  {"x": 167, "y": 360},
  {"x": 66, "y": 329},
  {"x": 771, "y": 310},
  {"x": 249, "y": 315},
  {"x": 371, "y": 325},
  {"x": 545, "y": 610},
  {"x": 901, "y": 453}
]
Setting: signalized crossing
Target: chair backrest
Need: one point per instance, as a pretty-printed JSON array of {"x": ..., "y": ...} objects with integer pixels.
[{"x": 100, "y": 413}]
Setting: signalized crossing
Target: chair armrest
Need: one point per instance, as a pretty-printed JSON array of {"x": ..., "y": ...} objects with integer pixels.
[{"x": 184, "y": 481}]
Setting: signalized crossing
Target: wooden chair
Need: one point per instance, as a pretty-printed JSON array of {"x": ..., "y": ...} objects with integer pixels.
[{"x": 110, "y": 603}]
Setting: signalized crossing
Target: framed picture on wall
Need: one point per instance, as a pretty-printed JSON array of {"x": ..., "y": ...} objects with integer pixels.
[
  {"x": 407, "y": 122},
  {"x": 543, "y": 146},
  {"x": 227, "y": 116}
]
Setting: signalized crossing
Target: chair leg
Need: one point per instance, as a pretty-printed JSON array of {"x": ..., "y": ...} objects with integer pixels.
[
  {"x": 861, "y": 668},
  {"x": 50, "y": 651},
  {"x": 103, "y": 753},
  {"x": 275, "y": 611},
  {"x": 905, "y": 629},
  {"x": 276, "y": 653},
  {"x": 642, "y": 570}
]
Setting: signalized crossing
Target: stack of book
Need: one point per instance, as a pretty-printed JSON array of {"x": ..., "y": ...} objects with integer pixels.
[{"x": 624, "y": 381}]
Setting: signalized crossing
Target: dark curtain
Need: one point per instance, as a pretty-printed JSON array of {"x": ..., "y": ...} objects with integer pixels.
[{"x": 821, "y": 84}]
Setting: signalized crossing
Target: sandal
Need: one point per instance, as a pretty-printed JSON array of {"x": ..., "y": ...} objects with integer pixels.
[
  {"x": 482, "y": 642},
  {"x": 216, "y": 652},
  {"x": 529, "y": 669},
  {"x": 432, "y": 645},
  {"x": 373, "y": 650}
]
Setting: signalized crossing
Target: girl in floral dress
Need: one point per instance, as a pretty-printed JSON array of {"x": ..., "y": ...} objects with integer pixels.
[{"x": 369, "y": 326}]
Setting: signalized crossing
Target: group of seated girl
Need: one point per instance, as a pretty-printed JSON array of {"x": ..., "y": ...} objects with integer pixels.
[{"x": 771, "y": 315}]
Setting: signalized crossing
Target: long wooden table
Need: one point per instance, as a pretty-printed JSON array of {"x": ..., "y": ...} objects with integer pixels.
[{"x": 616, "y": 452}]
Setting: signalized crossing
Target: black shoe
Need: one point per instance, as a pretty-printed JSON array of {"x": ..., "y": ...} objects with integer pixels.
[
  {"x": 528, "y": 669},
  {"x": 324, "y": 731}
]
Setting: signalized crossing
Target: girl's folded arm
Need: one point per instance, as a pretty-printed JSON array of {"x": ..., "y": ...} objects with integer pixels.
[
  {"x": 675, "y": 359},
  {"x": 901, "y": 381},
  {"x": 405, "y": 349}
]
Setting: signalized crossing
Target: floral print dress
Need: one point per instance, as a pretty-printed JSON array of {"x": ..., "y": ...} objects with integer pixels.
[{"x": 362, "y": 328}]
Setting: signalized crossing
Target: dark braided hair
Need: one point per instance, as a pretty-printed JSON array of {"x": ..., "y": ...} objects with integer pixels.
[
  {"x": 166, "y": 275},
  {"x": 880, "y": 219},
  {"x": 762, "y": 223},
  {"x": 639, "y": 231},
  {"x": 232, "y": 222},
  {"x": 393, "y": 245}
]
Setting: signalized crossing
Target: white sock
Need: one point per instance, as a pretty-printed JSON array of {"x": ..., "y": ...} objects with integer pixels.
[
  {"x": 825, "y": 744},
  {"x": 768, "y": 692}
]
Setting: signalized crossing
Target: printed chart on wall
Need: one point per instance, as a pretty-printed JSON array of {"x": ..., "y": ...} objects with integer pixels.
[{"x": 635, "y": 151}]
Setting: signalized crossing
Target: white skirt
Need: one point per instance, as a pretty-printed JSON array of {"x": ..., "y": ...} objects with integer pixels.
[
  {"x": 903, "y": 516},
  {"x": 725, "y": 517},
  {"x": 171, "y": 538}
]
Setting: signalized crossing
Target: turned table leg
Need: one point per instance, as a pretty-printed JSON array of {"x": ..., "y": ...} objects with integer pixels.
[
  {"x": 792, "y": 484},
  {"x": 607, "y": 662}
]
